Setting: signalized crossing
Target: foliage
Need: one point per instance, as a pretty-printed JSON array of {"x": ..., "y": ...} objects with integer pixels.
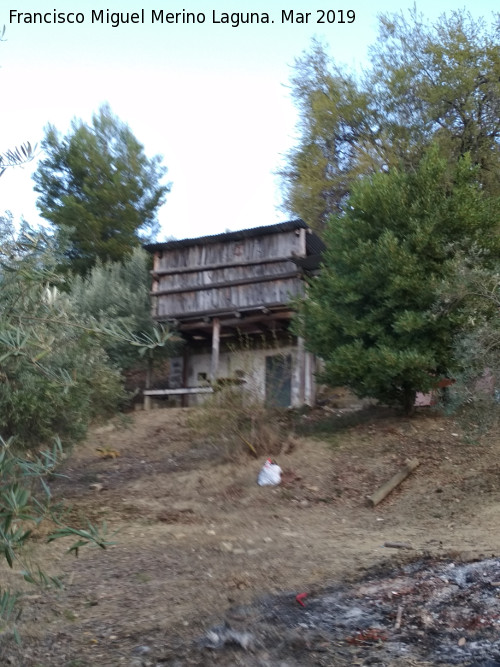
[
  {"x": 99, "y": 190},
  {"x": 427, "y": 84},
  {"x": 441, "y": 83},
  {"x": 25, "y": 502},
  {"x": 54, "y": 378},
  {"x": 19, "y": 155},
  {"x": 370, "y": 312},
  {"x": 239, "y": 422},
  {"x": 333, "y": 113},
  {"x": 235, "y": 416},
  {"x": 118, "y": 293},
  {"x": 34, "y": 329},
  {"x": 14, "y": 157},
  {"x": 55, "y": 375},
  {"x": 477, "y": 347}
]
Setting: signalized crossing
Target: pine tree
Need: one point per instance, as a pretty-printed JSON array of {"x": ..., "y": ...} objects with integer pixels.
[{"x": 99, "y": 190}]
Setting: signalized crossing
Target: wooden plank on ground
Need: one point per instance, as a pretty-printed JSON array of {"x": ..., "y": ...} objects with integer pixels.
[{"x": 383, "y": 491}]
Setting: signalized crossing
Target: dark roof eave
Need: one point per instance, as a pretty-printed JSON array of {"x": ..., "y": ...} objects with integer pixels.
[
  {"x": 228, "y": 236},
  {"x": 311, "y": 263}
]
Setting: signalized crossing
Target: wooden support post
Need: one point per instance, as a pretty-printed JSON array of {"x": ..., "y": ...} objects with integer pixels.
[
  {"x": 310, "y": 385},
  {"x": 185, "y": 374},
  {"x": 149, "y": 381},
  {"x": 154, "y": 288},
  {"x": 214, "y": 364},
  {"x": 301, "y": 368},
  {"x": 302, "y": 243}
]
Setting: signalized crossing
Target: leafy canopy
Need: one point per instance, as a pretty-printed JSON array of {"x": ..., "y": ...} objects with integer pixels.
[
  {"x": 475, "y": 288},
  {"x": 99, "y": 190},
  {"x": 55, "y": 374},
  {"x": 427, "y": 84},
  {"x": 54, "y": 378},
  {"x": 31, "y": 332},
  {"x": 117, "y": 294},
  {"x": 15, "y": 157},
  {"x": 370, "y": 313}
]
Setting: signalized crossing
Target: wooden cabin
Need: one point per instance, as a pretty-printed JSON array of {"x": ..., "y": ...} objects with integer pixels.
[{"x": 229, "y": 296}]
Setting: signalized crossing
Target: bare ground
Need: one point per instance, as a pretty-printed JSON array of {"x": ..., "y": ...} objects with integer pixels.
[{"x": 199, "y": 542}]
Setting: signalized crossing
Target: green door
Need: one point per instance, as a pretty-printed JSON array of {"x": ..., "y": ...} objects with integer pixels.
[{"x": 279, "y": 381}]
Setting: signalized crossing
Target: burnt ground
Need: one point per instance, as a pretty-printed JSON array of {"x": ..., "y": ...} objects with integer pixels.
[{"x": 206, "y": 565}]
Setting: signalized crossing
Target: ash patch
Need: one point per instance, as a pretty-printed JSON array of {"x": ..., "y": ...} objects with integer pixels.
[{"x": 444, "y": 612}]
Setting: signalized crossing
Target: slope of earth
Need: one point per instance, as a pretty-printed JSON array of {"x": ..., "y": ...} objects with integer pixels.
[{"x": 199, "y": 543}]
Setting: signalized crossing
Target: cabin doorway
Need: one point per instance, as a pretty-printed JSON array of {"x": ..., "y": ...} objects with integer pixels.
[{"x": 279, "y": 381}]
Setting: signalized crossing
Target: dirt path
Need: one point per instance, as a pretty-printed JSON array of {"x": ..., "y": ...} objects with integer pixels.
[{"x": 197, "y": 536}]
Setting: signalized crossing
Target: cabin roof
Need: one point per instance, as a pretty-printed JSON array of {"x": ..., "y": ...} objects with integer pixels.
[{"x": 314, "y": 244}]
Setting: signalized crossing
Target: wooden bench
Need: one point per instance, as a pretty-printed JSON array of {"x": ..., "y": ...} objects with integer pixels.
[{"x": 181, "y": 391}]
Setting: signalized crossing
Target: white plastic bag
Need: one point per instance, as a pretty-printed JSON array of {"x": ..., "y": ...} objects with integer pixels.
[{"x": 270, "y": 474}]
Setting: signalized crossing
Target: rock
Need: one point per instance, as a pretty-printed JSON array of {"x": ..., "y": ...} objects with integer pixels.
[
  {"x": 219, "y": 636},
  {"x": 141, "y": 650},
  {"x": 97, "y": 486},
  {"x": 107, "y": 428}
]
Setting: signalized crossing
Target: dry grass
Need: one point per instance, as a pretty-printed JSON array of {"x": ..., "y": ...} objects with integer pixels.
[
  {"x": 240, "y": 424},
  {"x": 198, "y": 535}
]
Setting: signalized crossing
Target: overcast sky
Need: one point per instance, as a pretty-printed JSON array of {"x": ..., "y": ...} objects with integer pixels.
[{"x": 211, "y": 98}]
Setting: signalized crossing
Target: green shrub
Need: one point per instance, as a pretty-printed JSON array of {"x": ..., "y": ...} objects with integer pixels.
[{"x": 55, "y": 376}]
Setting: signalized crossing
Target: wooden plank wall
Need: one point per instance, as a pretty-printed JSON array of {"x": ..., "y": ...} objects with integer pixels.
[
  {"x": 228, "y": 275},
  {"x": 270, "y": 246}
]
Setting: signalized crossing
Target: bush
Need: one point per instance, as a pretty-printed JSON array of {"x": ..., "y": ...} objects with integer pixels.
[
  {"x": 118, "y": 293},
  {"x": 55, "y": 376},
  {"x": 25, "y": 502},
  {"x": 240, "y": 423},
  {"x": 475, "y": 396}
]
